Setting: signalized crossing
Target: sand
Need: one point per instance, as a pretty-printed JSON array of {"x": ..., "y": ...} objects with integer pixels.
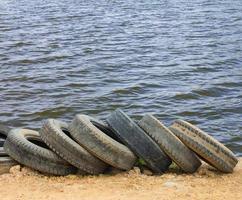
[{"x": 207, "y": 183}]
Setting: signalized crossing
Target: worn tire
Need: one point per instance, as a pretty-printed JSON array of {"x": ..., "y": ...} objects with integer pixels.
[
  {"x": 100, "y": 144},
  {"x": 2, "y": 152},
  {"x": 59, "y": 141},
  {"x": 138, "y": 141},
  {"x": 19, "y": 145},
  {"x": 4, "y": 130},
  {"x": 5, "y": 162},
  {"x": 103, "y": 126},
  {"x": 2, "y": 142},
  {"x": 170, "y": 144},
  {"x": 209, "y": 149}
]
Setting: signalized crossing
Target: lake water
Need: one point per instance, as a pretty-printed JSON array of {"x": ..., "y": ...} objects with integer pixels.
[{"x": 175, "y": 59}]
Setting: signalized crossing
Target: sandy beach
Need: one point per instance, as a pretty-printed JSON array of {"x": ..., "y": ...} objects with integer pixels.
[{"x": 207, "y": 183}]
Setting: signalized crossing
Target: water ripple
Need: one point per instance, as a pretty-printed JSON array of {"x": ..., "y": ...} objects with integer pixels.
[{"x": 174, "y": 59}]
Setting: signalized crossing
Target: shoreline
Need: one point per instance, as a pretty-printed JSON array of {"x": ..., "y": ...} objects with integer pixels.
[{"x": 207, "y": 183}]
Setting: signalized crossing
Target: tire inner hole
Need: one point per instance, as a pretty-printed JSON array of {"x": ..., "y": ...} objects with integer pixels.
[
  {"x": 68, "y": 134},
  {"x": 38, "y": 142},
  {"x": 2, "y": 136},
  {"x": 2, "y": 153},
  {"x": 107, "y": 131}
]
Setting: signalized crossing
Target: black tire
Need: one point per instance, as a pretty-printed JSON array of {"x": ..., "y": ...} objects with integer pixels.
[
  {"x": 26, "y": 147},
  {"x": 2, "y": 142},
  {"x": 4, "y": 130},
  {"x": 170, "y": 144},
  {"x": 138, "y": 141},
  {"x": 103, "y": 126},
  {"x": 100, "y": 144},
  {"x": 209, "y": 149},
  {"x": 6, "y": 163},
  {"x": 54, "y": 133},
  {"x": 2, "y": 152}
]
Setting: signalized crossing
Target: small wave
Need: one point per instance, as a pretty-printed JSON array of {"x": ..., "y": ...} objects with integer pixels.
[
  {"x": 230, "y": 84},
  {"x": 53, "y": 112},
  {"x": 204, "y": 69},
  {"x": 188, "y": 113},
  {"x": 127, "y": 90},
  {"x": 185, "y": 96},
  {"x": 211, "y": 92}
]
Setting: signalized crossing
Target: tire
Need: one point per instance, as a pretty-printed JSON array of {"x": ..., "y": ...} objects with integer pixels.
[
  {"x": 54, "y": 133},
  {"x": 26, "y": 147},
  {"x": 100, "y": 144},
  {"x": 6, "y": 163},
  {"x": 209, "y": 149},
  {"x": 2, "y": 152},
  {"x": 170, "y": 144},
  {"x": 138, "y": 141},
  {"x": 102, "y": 126},
  {"x": 4, "y": 130},
  {"x": 2, "y": 142}
]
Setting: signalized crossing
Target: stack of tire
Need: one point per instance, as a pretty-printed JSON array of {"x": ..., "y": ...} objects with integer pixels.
[{"x": 89, "y": 146}]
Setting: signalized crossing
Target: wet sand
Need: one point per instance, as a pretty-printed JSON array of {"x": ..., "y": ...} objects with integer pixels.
[{"x": 207, "y": 183}]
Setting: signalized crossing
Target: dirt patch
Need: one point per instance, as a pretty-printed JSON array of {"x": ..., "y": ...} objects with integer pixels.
[{"x": 23, "y": 183}]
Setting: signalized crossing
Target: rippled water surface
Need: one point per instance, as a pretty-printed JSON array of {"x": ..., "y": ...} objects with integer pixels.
[{"x": 175, "y": 59}]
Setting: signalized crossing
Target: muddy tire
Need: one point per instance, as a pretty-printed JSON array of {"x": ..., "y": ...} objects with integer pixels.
[
  {"x": 209, "y": 149},
  {"x": 54, "y": 133},
  {"x": 170, "y": 144},
  {"x": 26, "y": 147},
  {"x": 100, "y": 144},
  {"x": 138, "y": 141}
]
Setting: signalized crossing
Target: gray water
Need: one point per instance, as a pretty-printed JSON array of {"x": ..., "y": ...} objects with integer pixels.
[{"x": 175, "y": 59}]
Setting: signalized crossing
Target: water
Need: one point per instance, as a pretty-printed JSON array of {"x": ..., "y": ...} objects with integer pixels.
[{"x": 175, "y": 59}]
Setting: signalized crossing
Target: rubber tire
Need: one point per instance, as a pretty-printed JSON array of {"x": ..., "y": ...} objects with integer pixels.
[
  {"x": 102, "y": 126},
  {"x": 138, "y": 141},
  {"x": 6, "y": 163},
  {"x": 19, "y": 147},
  {"x": 2, "y": 152},
  {"x": 2, "y": 142},
  {"x": 100, "y": 144},
  {"x": 170, "y": 144},
  {"x": 209, "y": 149},
  {"x": 4, "y": 130},
  {"x": 53, "y": 135}
]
